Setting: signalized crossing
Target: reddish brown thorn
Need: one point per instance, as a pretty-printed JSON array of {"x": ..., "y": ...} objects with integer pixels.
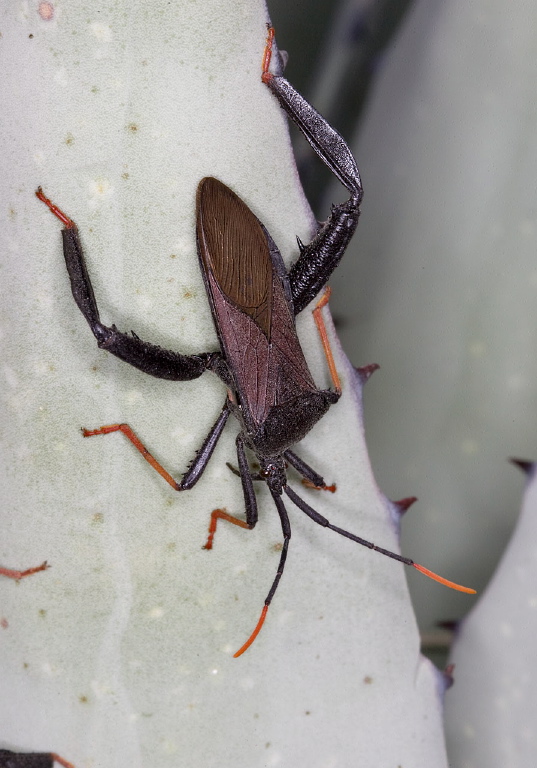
[
  {"x": 404, "y": 504},
  {"x": 55, "y": 210},
  {"x": 366, "y": 371},
  {"x": 267, "y": 55},
  {"x": 332, "y": 488},
  {"x": 523, "y": 464},
  {"x": 448, "y": 676},
  {"x": 450, "y": 624},
  {"x": 11, "y": 574},
  {"x": 254, "y": 634},
  {"x": 441, "y": 580}
]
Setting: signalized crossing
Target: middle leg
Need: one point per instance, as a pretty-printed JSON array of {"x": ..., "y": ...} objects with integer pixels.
[
  {"x": 250, "y": 502},
  {"x": 197, "y": 466}
]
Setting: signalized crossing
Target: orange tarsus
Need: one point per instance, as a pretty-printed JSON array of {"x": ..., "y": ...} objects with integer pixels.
[
  {"x": 267, "y": 55},
  {"x": 135, "y": 440},
  {"x": 321, "y": 327},
  {"x": 221, "y": 514},
  {"x": 441, "y": 580},
  {"x": 254, "y": 634},
  {"x": 55, "y": 210},
  {"x": 61, "y": 761},
  {"x": 17, "y": 575},
  {"x": 332, "y": 488}
]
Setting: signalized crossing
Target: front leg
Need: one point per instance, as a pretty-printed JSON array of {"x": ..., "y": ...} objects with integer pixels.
[
  {"x": 319, "y": 258},
  {"x": 149, "y": 358}
]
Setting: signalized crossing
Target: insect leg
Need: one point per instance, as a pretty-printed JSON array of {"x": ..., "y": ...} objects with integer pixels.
[
  {"x": 319, "y": 258},
  {"x": 13, "y": 574},
  {"x": 286, "y": 529},
  {"x": 250, "y": 502},
  {"x": 311, "y": 478},
  {"x": 254, "y": 475},
  {"x": 196, "y": 467},
  {"x": 61, "y": 761},
  {"x": 325, "y": 140},
  {"x": 150, "y": 358},
  {"x": 320, "y": 520},
  {"x": 321, "y": 327},
  {"x": 10, "y": 759}
]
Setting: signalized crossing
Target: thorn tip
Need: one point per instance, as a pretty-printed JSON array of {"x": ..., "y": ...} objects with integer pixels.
[
  {"x": 402, "y": 505},
  {"x": 524, "y": 464},
  {"x": 366, "y": 371}
]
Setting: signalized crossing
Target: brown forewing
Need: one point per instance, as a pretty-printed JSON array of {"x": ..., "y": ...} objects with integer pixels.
[
  {"x": 236, "y": 250},
  {"x": 255, "y": 324}
]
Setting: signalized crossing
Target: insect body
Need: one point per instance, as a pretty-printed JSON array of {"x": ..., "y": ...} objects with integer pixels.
[{"x": 254, "y": 302}]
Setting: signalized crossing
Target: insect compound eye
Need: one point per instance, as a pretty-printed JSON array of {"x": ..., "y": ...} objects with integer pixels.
[
  {"x": 273, "y": 472},
  {"x": 268, "y": 469}
]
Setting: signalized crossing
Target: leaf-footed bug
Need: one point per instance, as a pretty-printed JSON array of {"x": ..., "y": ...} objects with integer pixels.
[{"x": 254, "y": 301}]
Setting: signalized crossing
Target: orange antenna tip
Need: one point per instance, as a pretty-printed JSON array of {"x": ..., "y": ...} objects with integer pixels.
[
  {"x": 441, "y": 580},
  {"x": 254, "y": 634}
]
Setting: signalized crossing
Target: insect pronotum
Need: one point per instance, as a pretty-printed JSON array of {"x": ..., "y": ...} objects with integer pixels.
[{"x": 254, "y": 301}]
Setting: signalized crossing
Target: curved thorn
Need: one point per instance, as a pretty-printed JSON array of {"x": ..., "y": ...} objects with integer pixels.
[
  {"x": 447, "y": 674},
  {"x": 402, "y": 505},
  {"x": 366, "y": 371},
  {"x": 524, "y": 464}
]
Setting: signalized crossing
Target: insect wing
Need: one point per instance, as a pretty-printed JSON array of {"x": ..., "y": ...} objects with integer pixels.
[{"x": 246, "y": 285}]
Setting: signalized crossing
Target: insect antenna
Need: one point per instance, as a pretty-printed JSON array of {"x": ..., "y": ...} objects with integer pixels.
[
  {"x": 317, "y": 518},
  {"x": 286, "y": 528}
]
